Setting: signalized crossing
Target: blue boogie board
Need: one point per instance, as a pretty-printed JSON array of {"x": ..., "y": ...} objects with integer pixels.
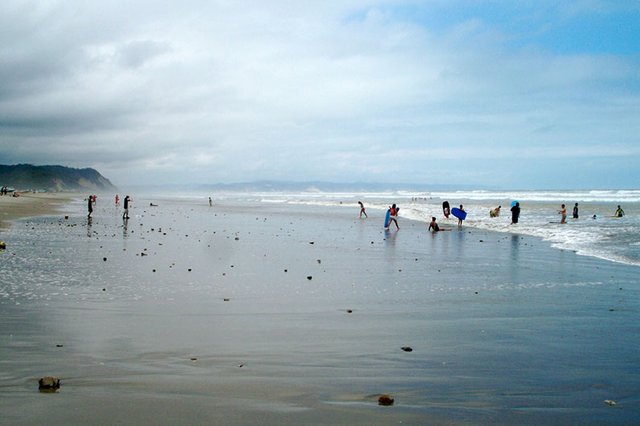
[
  {"x": 459, "y": 213},
  {"x": 387, "y": 219}
]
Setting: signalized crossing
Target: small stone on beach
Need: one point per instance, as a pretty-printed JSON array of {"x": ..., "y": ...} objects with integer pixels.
[
  {"x": 407, "y": 348},
  {"x": 49, "y": 384},
  {"x": 385, "y": 400}
]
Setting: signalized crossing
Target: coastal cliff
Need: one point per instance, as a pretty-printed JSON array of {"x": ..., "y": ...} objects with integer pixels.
[{"x": 53, "y": 178}]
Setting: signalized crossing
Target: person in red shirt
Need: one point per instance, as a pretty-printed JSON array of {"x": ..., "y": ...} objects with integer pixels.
[{"x": 394, "y": 215}]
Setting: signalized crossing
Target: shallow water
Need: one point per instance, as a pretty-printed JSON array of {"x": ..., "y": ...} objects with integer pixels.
[
  {"x": 605, "y": 237},
  {"x": 504, "y": 329}
]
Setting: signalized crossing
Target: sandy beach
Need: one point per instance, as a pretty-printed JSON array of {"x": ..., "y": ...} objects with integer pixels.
[
  {"x": 289, "y": 314},
  {"x": 29, "y": 204}
]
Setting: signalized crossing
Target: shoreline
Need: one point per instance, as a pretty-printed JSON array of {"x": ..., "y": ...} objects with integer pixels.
[
  {"x": 293, "y": 315},
  {"x": 29, "y": 204}
]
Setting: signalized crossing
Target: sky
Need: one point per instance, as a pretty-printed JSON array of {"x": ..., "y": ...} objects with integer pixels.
[{"x": 501, "y": 94}]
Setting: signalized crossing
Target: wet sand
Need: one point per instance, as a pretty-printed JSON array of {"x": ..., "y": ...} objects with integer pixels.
[
  {"x": 282, "y": 314},
  {"x": 29, "y": 204}
]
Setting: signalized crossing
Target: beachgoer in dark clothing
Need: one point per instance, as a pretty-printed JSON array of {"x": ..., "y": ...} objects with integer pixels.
[
  {"x": 575, "y": 211},
  {"x": 125, "y": 214},
  {"x": 433, "y": 226},
  {"x": 619, "y": 212},
  {"x": 90, "y": 206},
  {"x": 515, "y": 213},
  {"x": 445, "y": 209}
]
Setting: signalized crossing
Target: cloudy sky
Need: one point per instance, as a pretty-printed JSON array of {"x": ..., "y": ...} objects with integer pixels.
[{"x": 506, "y": 94}]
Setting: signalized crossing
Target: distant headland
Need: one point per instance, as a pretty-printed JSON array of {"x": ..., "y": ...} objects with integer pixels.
[{"x": 27, "y": 177}]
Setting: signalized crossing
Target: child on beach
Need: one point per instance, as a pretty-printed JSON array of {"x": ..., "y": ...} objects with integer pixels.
[
  {"x": 563, "y": 212},
  {"x": 362, "y": 212},
  {"x": 393, "y": 210},
  {"x": 433, "y": 226}
]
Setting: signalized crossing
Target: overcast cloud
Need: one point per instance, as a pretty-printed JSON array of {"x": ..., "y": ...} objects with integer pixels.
[{"x": 526, "y": 94}]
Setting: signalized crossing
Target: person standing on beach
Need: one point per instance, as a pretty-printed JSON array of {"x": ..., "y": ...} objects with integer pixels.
[
  {"x": 619, "y": 212},
  {"x": 446, "y": 209},
  {"x": 90, "y": 206},
  {"x": 210, "y": 202},
  {"x": 563, "y": 212},
  {"x": 125, "y": 214},
  {"x": 460, "y": 220},
  {"x": 393, "y": 215},
  {"x": 515, "y": 213},
  {"x": 117, "y": 200},
  {"x": 362, "y": 212},
  {"x": 575, "y": 211}
]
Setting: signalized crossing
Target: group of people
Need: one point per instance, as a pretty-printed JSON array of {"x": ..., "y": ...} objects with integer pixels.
[
  {"x": 91, "y": 202},
  {"x": 4, "y": 191}
]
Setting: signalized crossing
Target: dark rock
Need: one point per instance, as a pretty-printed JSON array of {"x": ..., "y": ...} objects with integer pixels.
[
  {"x": 385, "y": 400},
  {"x": 407, "y": 349},
  {"x": 49, "y": 384},
  {"x": 309, "y": 277}
]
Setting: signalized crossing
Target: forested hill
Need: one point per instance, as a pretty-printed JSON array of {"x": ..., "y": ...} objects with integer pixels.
[{"x": 53, "y": 178}]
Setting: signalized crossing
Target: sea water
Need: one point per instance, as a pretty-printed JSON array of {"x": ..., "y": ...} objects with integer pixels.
[{"x": 595, "y": 233}]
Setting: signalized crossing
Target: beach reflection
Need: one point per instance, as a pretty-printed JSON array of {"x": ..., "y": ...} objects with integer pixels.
[{"x": 514, "y": 256}]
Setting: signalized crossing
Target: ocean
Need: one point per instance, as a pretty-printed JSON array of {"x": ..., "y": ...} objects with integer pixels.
[{"x": 595, "y": 233}]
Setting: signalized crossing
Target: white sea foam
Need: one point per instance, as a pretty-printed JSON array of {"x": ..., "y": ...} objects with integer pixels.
[{"x": 604, "y": 237}]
